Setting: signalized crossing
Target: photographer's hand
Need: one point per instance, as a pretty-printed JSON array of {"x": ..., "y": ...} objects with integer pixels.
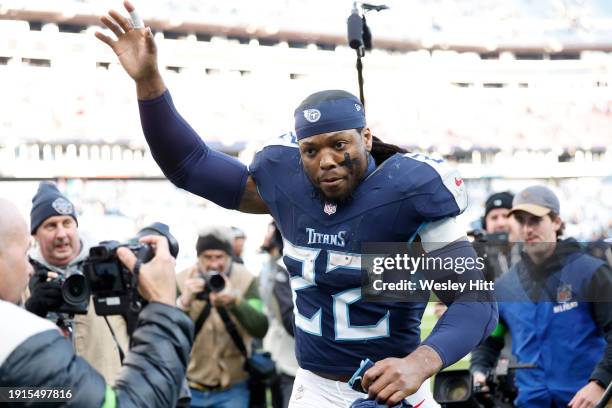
[
  {"x": 157, "y": 279},
  {"x": 480, "y": 380},
  {"x": 46, "y": 294},
  {"x": 588, "y": 396},
  {"x": 194, "y": 284}
]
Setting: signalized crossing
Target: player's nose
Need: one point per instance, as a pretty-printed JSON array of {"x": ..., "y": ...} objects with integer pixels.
[{"x": 327, "y": 161}]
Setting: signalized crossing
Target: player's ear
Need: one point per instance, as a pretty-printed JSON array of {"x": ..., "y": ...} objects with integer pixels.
[{"x": 367, "y": 138}]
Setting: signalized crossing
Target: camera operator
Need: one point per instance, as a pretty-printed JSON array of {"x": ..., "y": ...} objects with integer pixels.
[
  {"x": 33, "y": 353},
  {"x": 497, "y": 237},
  {"x": 214, "y": 291},
  {"x": 60, "y": 251},
  {"x": 555, "y": 305},
  {"x": 275, "y": 289}
]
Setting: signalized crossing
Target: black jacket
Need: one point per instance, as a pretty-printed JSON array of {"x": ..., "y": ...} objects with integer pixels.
[{"x": 33, "y": 354}]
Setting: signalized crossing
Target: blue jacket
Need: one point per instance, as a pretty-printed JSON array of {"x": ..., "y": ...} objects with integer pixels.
[{"x": 551, "y": 326}]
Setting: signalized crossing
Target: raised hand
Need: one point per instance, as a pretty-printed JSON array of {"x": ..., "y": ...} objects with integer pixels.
[{"x": 136, "y": 50}]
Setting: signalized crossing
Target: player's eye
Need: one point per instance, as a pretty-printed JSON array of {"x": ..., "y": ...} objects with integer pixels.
[
  {"x": 339, "y": 145},
  {"x": 310, "y": 152}
]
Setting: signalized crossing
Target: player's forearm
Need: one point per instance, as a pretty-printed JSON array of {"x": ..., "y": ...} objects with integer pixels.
[
  {"x": 461, "y": 328},
  {"x": 185, "y": 159}
]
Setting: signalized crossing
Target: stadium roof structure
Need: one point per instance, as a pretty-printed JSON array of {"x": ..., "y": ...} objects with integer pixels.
[{"x": 463, "y": 25}]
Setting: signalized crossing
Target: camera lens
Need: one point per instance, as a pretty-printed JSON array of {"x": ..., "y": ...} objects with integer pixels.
[
  {"x": 75, "y": 290},
  {"x": 456, "y": 389},
  {"x": 216, "y": 282}
]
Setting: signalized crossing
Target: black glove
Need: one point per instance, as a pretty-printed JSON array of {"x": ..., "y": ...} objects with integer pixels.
[{"x": 45, "y": 297}]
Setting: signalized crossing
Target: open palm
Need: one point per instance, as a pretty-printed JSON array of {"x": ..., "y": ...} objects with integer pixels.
[{"x": 134, "y": 47}]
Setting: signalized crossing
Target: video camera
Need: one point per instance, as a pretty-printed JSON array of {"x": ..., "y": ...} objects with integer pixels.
[
  {"x": 455, "y": 389},
  {"x": 493, "y": 248},
  {"x": 102, "y": 275}
]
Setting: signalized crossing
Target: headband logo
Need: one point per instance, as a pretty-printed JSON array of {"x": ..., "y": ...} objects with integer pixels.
[
  {"x": 312, "y": 115},
  {"x": 357, "y": 107},
  {"x": 62, "y": 206}
]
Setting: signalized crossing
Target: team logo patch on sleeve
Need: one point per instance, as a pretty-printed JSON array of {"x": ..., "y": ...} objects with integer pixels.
[
  {"x": 451, "y": 178},
  {"x": 312, "y": 115}
]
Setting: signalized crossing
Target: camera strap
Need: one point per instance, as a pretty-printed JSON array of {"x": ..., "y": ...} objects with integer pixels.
[
  {"x": 232, "y": 330},
  {"x": 121, "y": 353},
  {"x": 202, "y": 318}
]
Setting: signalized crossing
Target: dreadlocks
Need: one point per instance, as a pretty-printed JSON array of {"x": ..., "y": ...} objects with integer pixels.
[{"x": 381, "y": 151}]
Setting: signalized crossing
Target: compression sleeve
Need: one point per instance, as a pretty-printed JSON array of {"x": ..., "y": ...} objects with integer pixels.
[
  {"x": 471, "y": 315},
  {"x": 185, "y": 159}
]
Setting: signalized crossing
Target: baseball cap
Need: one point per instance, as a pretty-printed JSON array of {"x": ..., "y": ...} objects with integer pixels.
[{"x": 537, "y": 200}]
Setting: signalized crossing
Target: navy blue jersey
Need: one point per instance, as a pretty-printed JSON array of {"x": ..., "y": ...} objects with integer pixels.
[{"x": 335, "y": 328}]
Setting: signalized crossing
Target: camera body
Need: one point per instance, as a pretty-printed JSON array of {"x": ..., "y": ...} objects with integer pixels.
[
  {"x": 73, "y": 286},
  {"x": 214, "y": 282},
  {"x": 113, "y": 286},
  {"x": 455, "y": 389},
  {"x": 494, "y": 248}
]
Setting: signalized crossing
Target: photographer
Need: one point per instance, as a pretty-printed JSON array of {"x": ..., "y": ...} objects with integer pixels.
[
  {"x": 555, "y": 304},
  {"x": 275, "y": 288},
  {"x": 213, "y": 292},
  {"x": 33, "y": 353},
  {"x": 60, "y": 251}
]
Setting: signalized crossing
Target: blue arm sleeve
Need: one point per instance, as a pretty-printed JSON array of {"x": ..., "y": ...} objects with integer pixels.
[
  {"x": 471, "y": 315},
  {"x": 185, "y": 159}
]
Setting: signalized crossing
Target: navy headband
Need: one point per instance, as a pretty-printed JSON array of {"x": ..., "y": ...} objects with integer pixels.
[{"x": 328, "y": 111}]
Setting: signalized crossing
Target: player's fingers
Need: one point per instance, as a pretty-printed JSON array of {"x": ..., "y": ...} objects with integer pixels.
[
  {"x": 111, "y": 26},
  {"x": 383, "y": 395},
  {"x": 128, "y": 6},
  {"x": 370, "y": 376},
  {"x": 105, "y": 39},
  {"x": 136, "y": 20},
  {"x": 379, "y": 384},
  {"x": 123, "y": 22},
  {"x": 150, "y": 41},
  {"x": 398, "y": 397}
]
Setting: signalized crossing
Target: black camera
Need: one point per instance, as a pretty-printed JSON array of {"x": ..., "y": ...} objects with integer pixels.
[
  {"x": 113, "y": 286},
  {"x": 494, "y": 248},
  {"x": 455, "y": 389},
  {"x": 73, "y": 286},
  {"x": 214, "y": 282}
]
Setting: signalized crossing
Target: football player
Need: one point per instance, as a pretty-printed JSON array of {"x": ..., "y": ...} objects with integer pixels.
[{"x": 330, "y": 187}]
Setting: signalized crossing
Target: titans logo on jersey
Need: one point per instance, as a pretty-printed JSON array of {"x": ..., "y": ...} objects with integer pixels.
[{"x": 336, "y": 329}]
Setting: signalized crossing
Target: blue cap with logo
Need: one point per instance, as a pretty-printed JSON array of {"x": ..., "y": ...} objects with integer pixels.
[
  {"x": 328, "y": 111},
  {"x": 49, "y": 202}
]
